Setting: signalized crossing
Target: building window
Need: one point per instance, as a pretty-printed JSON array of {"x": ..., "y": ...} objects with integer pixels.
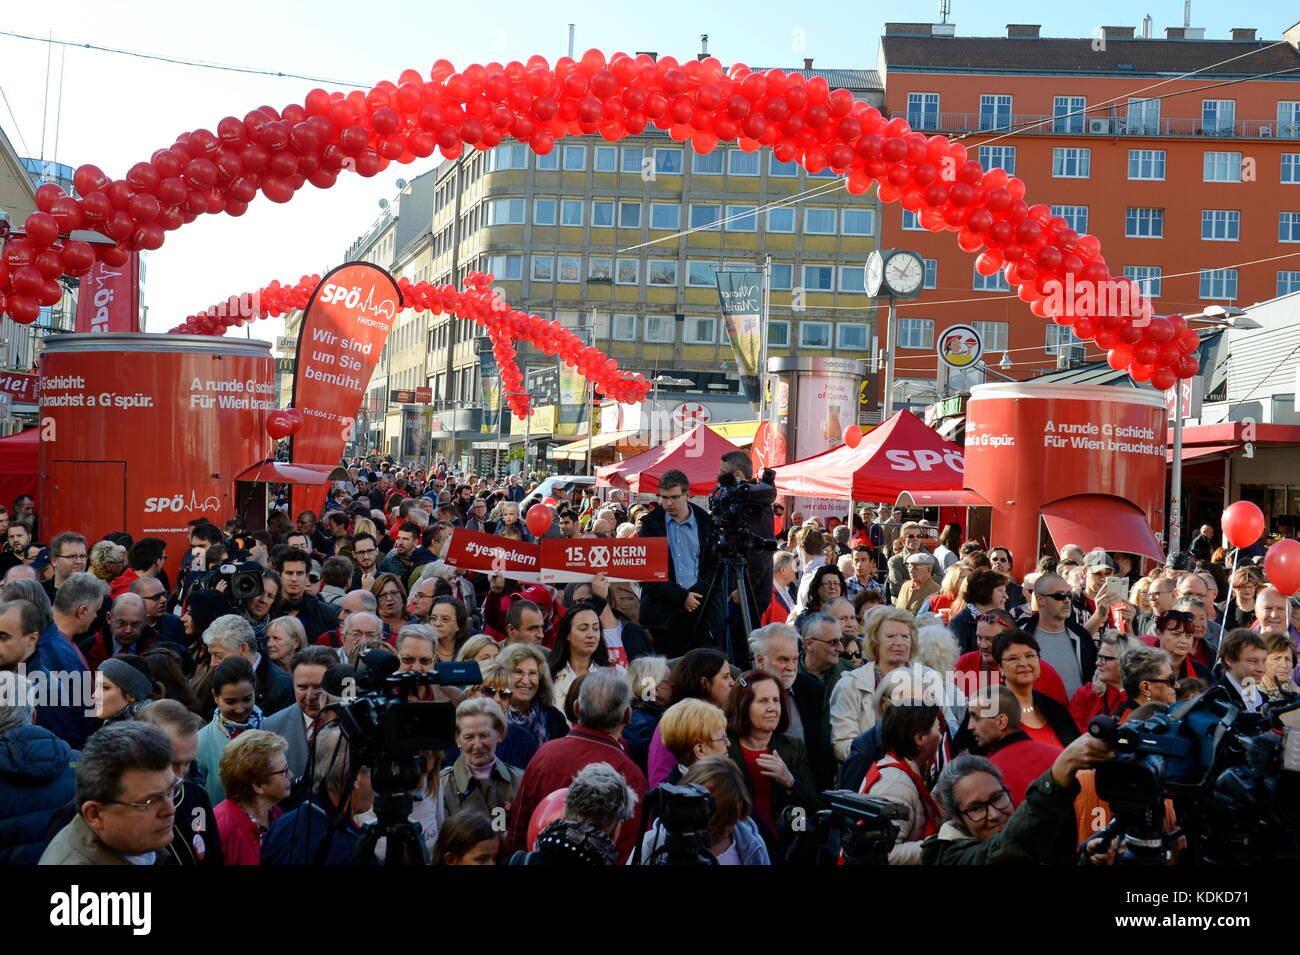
[
  {"x": 571, "y": 212},
  {"x": 700, "y": 274},
  {"x": 853, "y": 278},
  {"x": 998, "y": 157},
  {"x": 705, "y": 218},
  {"x": 628, "y": 272},
  {"x": 912, "y": 222},
  {"x": 1288, "y": 227},
  {"x": 916, "y": 333},
  {"x": 514, "y": 156},
  {"x": 1143, "y": 116},
  {"x": 602, "y": 213},
  {"x": 1219, "y": 283},
  {"x": 598, "y": 322},
  {"x": 1291, "y": 167},
  {"x": 819, "y": 221},
  {"x": 1147, "y": 277},
  {"x": 1219, "y": 116},
  {"x": 633, "y": 159},
  {"x": 1288, "y": 282},
  {"x": 1075, "y": 216},
  {"x": 1222, "y": 167},
  {"x": 506, "y": 212},
  {"x": 606, "y": 159},
  {"x": 780, "y": 220},
  {"x": 664, "y": 215},
  {"x": 781, "y": 170},
  {"x": 931, "y": 273},
  {"x": 778, "y": 334},
  {"x": 814, "y": 334},
  {"x": 1071, "y": 162},
  {"x": 1144, "y": 223},
  {"x": 858, "y": 221},
  {"x": 1068, "y": 114},
  {"x": 997, "y": 282},
  {"x": 819, "y": 278},
  {"x": 570, "y": 268},
  {"x": 661, "y": 271},
  {"x": 629, "y": 215},
  {"x": 782, "y": 276},
  {"x": 994, "y": 335},
  {"x": 923, "y": 110},
  {"x": 709, "y": 164},
  {"x": 995, "y": 113},
  {"x": 550, "y": 162},
  {"x": 699, "y": 330},
  {"x": 741, "y": 163},
  {"x": 575, "y": 158},
  {"x": 623, "y": 328},
  {"x": 668, "y": 161},
  {"x": 506, "y": 267},
  {"x": 600, "y": 268},
  {"x": 1222, "y": 225},
  {"x": 659, "y": 329},
  {"x": 543, "y": 268},
  {"x": 742, "y": 218},
  {"x": 1146, "y": 164},
  {"x": 851, "y": 336}
]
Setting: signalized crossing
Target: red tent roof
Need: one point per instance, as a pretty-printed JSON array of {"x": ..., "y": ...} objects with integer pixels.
[
  {"x": 20, "y": 465},
  {"x": 900, "y": 455},
  {"x": 696, "y": 452}
]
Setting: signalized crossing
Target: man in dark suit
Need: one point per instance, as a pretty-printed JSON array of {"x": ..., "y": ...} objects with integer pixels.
[
  {"x": 1245, "y": 657},
  {"x": 674, "y": 611},
  {"x": 299, "y": 722}
]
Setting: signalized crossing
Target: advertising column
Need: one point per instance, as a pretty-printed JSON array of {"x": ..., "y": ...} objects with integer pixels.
[{"x": 816, "y": 399}]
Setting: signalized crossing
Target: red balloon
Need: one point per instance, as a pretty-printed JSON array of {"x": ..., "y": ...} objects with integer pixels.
[
  {"x": 42, "y": 230},
  {"x": 1242, "y": 523},
  {"x": 1282, "y": 564},
  {"x": 279, "y": 425},
  {"x": 1162, "y": 379},
  {"x": 853, "y": 436},
  {"x": 539, "y": 519}
]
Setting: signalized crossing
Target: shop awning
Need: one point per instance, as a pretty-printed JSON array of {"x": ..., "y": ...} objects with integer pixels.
[
  {"x": 1100, "y": 520},
  {"x": 1200, "y": 453},
  {"x": 285, "y": 472},
  {"x": 962, "y": 498},
  {"x": 577, "y": 450},
  {"x": 739, "y": 433}
]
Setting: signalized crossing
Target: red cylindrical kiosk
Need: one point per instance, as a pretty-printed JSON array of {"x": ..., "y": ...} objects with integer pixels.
[
  {"x": 1087, "y": 461},
  {"x": 144, "y": 433}
]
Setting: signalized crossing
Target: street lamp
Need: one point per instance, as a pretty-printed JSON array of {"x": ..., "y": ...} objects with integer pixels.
[{"x": 1218, "y": 316}]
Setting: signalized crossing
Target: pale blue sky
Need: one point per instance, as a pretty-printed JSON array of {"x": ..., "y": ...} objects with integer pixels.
[{"x": 117, "y": 110}]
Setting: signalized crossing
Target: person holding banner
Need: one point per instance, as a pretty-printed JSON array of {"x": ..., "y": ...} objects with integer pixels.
[{"x": 674, "y": 611}]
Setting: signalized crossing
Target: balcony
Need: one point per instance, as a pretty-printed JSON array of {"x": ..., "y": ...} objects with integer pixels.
[{"x": 1103, "y": 124}]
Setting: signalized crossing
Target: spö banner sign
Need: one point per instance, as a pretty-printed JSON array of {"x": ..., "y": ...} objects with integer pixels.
[{"x": 560, "y": 560}]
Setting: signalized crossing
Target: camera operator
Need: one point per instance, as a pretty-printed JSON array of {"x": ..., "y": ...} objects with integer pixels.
[
  {"x": 734, "y": 838},
  {"x": 982, "y": 828},
  {"x": 758, "y": 563}
]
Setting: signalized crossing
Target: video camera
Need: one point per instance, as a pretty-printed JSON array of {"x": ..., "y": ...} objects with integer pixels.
[
  {"x": 1233, "y": 777},
  {"x": 684, "y": 813},
  {"x": 737, "y": 506}
]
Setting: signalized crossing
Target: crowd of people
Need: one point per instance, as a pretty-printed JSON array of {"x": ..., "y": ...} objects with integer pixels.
[{"x": 151, "y": 718}]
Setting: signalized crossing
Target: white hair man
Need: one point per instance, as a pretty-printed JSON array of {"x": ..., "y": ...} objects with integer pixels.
[{"x": 232, "y": 636}]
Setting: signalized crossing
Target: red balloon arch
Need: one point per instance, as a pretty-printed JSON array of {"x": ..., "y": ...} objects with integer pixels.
[{"x": 1060, "y": 274}]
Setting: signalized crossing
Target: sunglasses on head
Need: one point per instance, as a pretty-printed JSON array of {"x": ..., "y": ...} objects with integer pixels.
[{"x": 1171, "y": 617}]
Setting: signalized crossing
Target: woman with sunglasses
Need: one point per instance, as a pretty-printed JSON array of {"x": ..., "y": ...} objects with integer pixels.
[
  {"x": 1175, "y": 635},
  {"x": 1105, "y": 694},
  {"x": 256, "y": 777}
]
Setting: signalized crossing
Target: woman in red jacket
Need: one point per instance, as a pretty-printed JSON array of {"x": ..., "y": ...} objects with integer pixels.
[
  {"x": 255, "y": 775},
  {"x": 1105, "y": 694}
]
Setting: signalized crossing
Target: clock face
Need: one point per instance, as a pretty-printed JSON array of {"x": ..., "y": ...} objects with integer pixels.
[
  {"x": 875, "y": 273},
  {"x": 904, "y": 274}
]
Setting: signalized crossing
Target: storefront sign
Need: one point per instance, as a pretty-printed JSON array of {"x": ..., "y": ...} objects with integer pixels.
[{"x": 22, "y": 387}]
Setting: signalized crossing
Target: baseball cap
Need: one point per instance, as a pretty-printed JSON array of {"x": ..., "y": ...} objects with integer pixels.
[
  {"x": 314, "y": 572},
  {"x": 1098, "y": 560},
  {"x": 42, "y": 559}
]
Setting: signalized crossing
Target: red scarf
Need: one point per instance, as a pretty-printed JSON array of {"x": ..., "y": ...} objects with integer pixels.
[{"x": 932, "y": 812}]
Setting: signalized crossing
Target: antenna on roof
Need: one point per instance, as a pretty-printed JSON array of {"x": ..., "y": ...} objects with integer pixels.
[
  {"x": 1187, "y": 13},
  {"x": 945, "y": 10}
]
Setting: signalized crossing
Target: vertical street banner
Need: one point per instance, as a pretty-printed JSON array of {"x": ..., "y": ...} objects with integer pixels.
[
  {"x": 489, "y": 382},
  {"x": 342, "y": 336},
  {"x": 740, "y": 294},
  {"x": 108, "y": 298}
]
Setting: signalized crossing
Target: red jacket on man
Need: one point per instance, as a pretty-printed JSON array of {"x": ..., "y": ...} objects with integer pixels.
[{"x": 1022, "y": 760}]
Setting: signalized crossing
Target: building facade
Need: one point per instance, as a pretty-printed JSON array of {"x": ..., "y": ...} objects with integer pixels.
[{"x": 1184, "y": 185}]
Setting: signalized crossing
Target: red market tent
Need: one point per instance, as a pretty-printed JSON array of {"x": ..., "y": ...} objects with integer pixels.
[
  {"x": 697, "y": 453},
  {"x": 903, "y": 454},
  {"x": 20, "y": 465}
]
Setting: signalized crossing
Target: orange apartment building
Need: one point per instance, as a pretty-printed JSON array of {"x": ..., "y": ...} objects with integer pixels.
[{"x": 1173, "y": 175}]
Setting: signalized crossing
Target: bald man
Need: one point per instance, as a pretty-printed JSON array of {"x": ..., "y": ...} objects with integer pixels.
[{"x": 125, "y": 632}]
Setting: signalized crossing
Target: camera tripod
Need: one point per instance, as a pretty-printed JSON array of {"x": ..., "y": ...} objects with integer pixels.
[
  {"x": 731, "y": 566},
  {"x": 393, "y": 781}
]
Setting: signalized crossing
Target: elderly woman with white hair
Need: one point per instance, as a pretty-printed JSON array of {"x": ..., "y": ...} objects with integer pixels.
[
  {"x": 598, "y": 805},
  {"x": 479, "y": 779}
]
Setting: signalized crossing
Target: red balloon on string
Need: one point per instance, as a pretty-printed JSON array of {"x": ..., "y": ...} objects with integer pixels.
[
  {"x": 1243, "y": 523},
  {"x": 1282, "y": 564},
  {"x": 279, "y": 425},
  {"x": 539, "y": 519}
]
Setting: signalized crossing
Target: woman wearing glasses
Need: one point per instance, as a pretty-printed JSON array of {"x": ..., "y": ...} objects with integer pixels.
[
  {"x": 1246, "y": 583},
  {"x": 1175, "y": 635},
  {"x": 256, "y": 777},
  {"x": 391, "y": 597},
  {"x": 479, "y": 779},
  {"x": 1046, "y": 720},
  {"x": 516, "y": 746},
  {"x": 1105, "y": 694}
]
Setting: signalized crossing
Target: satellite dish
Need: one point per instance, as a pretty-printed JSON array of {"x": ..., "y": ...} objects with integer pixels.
[
  {"x": 383, "y": 203},
  {"x": 401, "y": 184}
]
